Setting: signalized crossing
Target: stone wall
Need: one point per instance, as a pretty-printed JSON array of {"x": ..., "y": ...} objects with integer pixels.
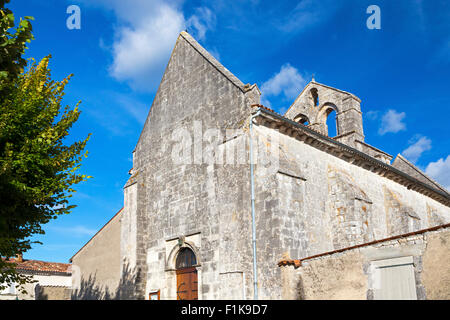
[
  {"x": 328, "y": 204},
  {"x": 46, "y": 287},
  {"x": 188, "y": 198},
  {"x": 347, "y": 275},
  {"x": 53, "y": 293},
  {"x": 314, "y": 202}
]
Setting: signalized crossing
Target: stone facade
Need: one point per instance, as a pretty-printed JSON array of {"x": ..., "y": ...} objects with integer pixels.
[
  {"x": 174, "y": 200},
  {"x": 312, "y": 193},
  {"x": 347, "y": 274},
  {"x": 335, "y": 205}
]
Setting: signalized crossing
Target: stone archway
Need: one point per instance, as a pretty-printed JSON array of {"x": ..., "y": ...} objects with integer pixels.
[
  {"x": 323, "y": 115},
  {"x": 174, "y": 271}
]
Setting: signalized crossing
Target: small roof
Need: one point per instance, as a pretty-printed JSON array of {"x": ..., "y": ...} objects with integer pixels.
[{"x": 41, "y": 266}]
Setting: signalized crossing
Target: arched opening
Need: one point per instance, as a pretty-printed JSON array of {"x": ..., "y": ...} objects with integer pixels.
[
  {"x": 185, "y": 259},
  {"x": 314, "y": 97},
  {"x": 332, "y": 122},
  {"x": 187, "y": 278},
  {"x": 301, "y": 118}
]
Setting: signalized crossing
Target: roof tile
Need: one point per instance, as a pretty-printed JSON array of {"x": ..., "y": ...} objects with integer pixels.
[{"x": 41, "y": 266}]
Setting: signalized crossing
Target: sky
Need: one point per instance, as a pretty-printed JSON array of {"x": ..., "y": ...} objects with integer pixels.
[{"x": 399, "y": 71}]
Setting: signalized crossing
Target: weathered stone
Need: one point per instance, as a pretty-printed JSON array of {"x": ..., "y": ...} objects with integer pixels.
[{"x": 312, "y": 194}]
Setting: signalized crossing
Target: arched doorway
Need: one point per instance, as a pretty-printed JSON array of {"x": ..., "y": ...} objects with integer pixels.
[{"x": 187, "y": 281}]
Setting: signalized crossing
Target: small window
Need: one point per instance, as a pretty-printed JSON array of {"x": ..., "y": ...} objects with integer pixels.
[
  {"x": 154, "y": 295},
  {"x": 301, "y": 118},
  {"x": 315, "y": 97},
  {"x": 185, "y": 259},
  {"x": 393, "y": 279}
]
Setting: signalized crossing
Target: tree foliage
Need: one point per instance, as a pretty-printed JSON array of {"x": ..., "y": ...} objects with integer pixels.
[
  {"x": 37, "y": 168},
  {"x": 12, "y": 43}
]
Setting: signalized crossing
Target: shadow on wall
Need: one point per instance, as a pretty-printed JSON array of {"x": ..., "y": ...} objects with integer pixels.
[
  {"x": 91, "y": 290},
  {"x": 39, "y": 293},
  {"x": 52, "y": 292}
]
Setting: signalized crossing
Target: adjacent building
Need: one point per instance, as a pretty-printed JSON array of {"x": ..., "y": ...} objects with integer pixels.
[{"x": 52, "y": 281}]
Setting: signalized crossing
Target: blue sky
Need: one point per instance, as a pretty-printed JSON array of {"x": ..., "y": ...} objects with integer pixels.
[{"x": 401, "y": 73}]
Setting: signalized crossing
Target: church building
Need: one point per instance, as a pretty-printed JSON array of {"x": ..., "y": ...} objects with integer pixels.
[{"x": 228, "y": 199}]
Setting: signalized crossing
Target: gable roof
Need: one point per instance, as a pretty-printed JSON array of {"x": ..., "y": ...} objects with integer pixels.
[
  {"x": 184, "y": 36},
  {"x": 96, "y": 234},
  {"x": 403, "y": 164}
]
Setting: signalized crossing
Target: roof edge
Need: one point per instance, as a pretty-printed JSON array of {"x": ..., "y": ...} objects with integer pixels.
[
  {"x": 323, "y": 85},
  {"x": 213, "y": 61},
  {"x": 399, "y": 156},
  {"x": 378, "y": 163},
  {"x": 70, "y": 260}
]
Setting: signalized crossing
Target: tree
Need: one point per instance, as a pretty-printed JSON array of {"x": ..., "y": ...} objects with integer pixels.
[
  {"x": 12, "y": 45},
  {"x": 37, "y": 168}
]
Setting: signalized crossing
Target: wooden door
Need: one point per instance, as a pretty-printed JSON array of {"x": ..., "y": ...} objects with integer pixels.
[
  {"x": 394, "y": 279},
  {"x": 187, "y": 285}
]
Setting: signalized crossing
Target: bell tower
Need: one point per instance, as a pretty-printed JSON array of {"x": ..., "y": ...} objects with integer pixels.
[{"x": 315, "y": 104}]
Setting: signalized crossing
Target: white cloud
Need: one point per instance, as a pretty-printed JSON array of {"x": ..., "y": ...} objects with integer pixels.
[
  {"x": 372, "y": 115},
  {"x": 414, "y": 151},
  {"x": 141, "y": 52},
  {"x": 133, "y": 107},
  {"x": 145, "y": 36},
  {"x": 124, "y": 112},
  {"x": 392, "y": 122},
  {"x": 440, "y": 171},
  {"x": 76, "y": 231},
  {"x": 288, "y": 82},
  {"x": 308, "y": 13},
  {"x": 201, "y": 21},
  {"x": 213, "y": 51}
]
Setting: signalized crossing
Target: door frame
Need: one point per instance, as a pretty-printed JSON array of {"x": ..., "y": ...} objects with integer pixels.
[{"x": 172, "y": 249}]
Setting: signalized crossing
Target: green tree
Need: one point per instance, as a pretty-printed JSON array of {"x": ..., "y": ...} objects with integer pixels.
[
  {"x": 37, "y": 167},
  {"x": 12, "y": 43}
]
